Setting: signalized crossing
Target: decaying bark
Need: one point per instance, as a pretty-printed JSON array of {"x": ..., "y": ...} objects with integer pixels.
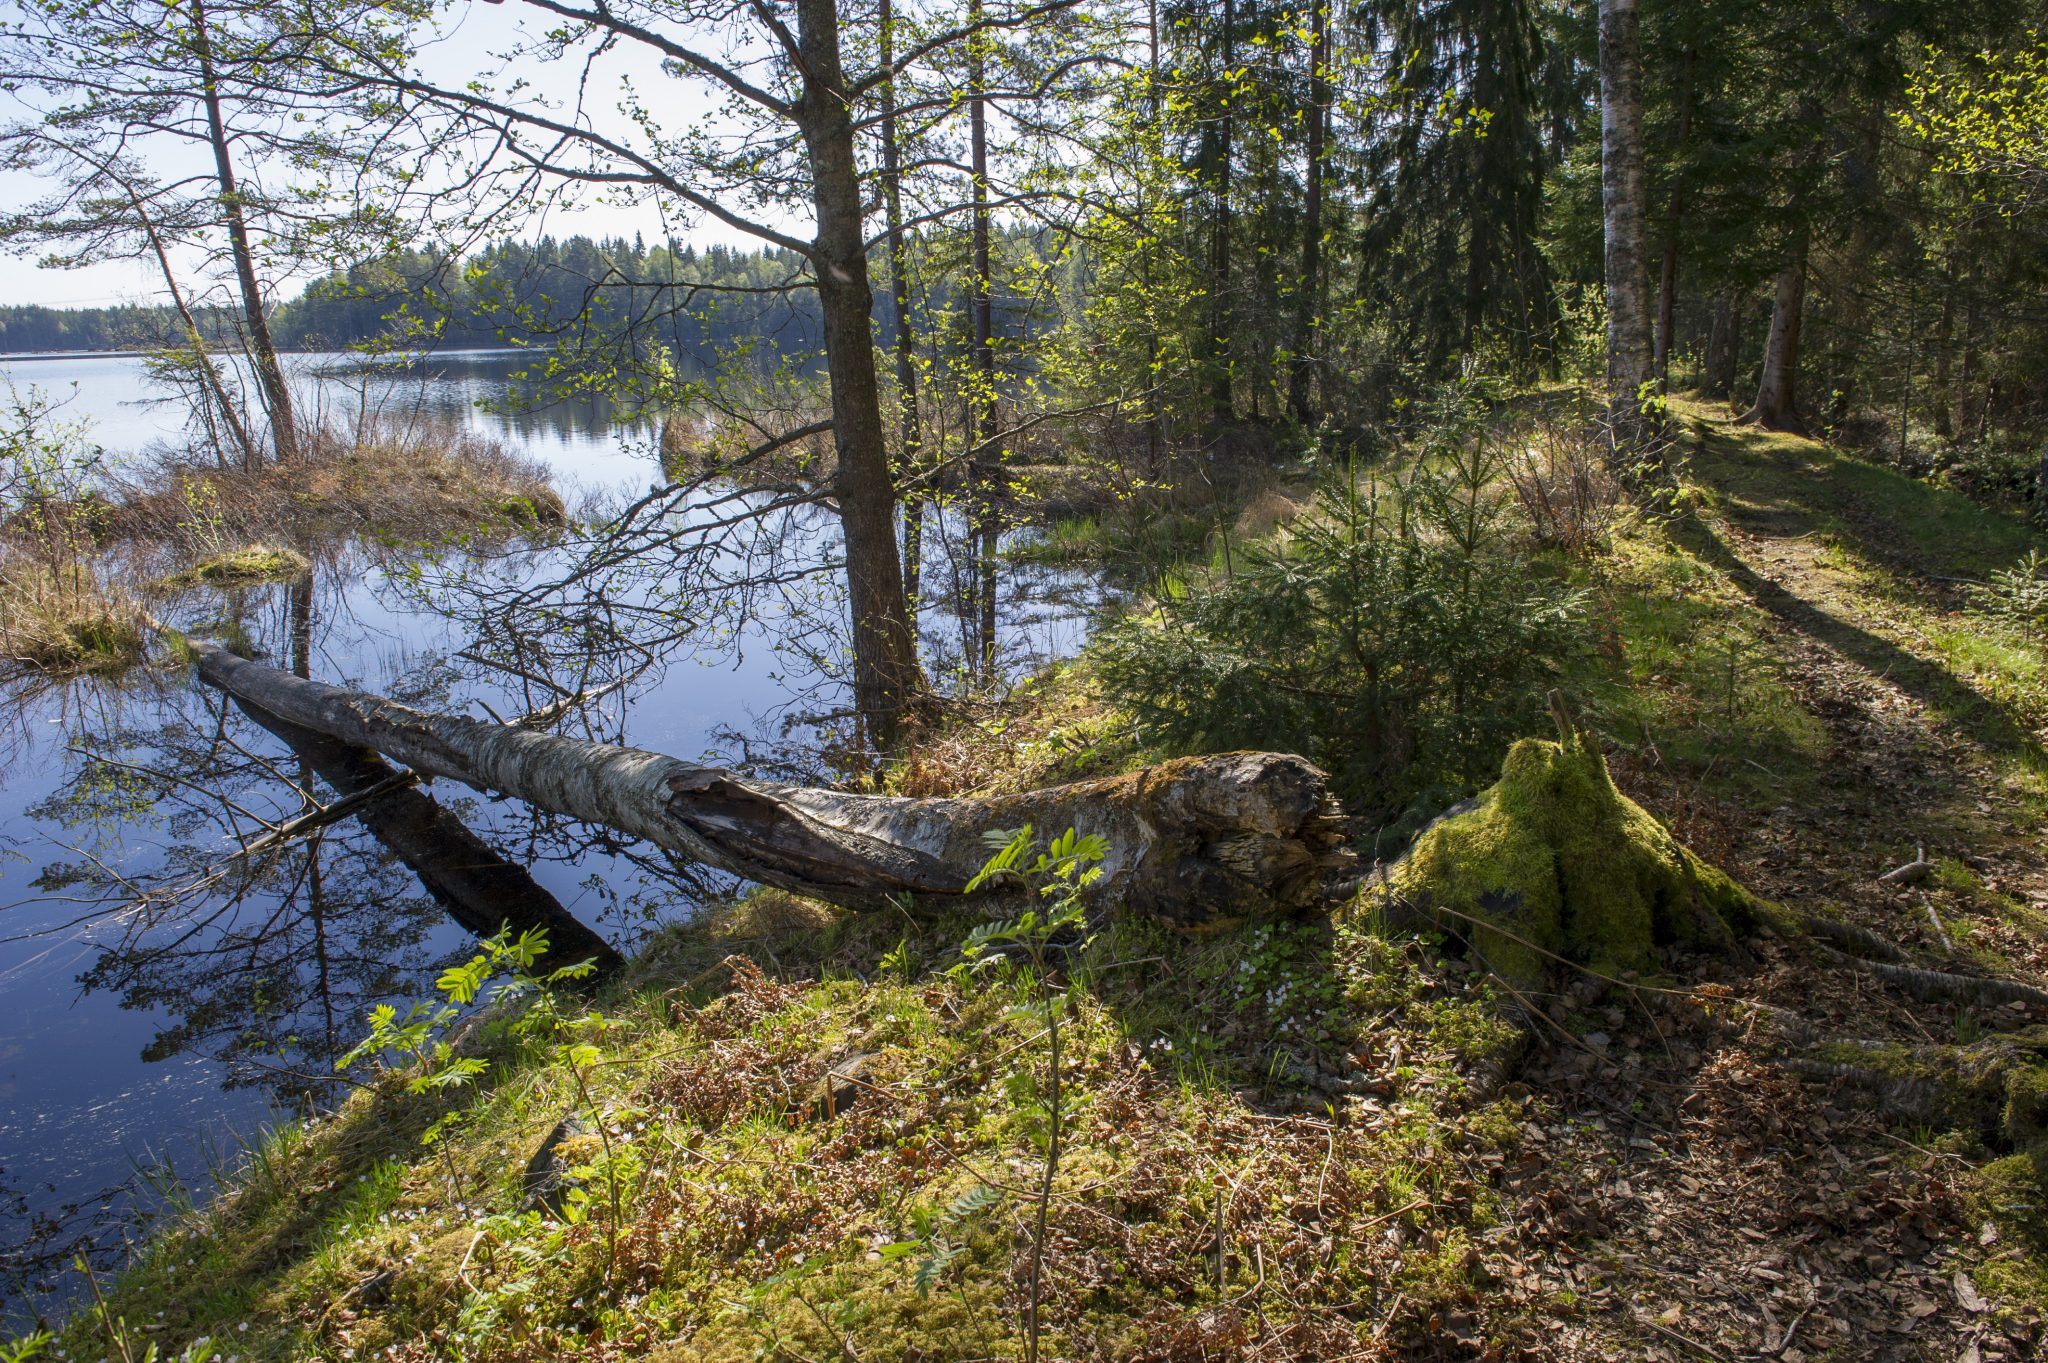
[{"x": 1196, "y": 842}]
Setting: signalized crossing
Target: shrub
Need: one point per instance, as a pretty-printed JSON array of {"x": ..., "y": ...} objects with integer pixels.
[
  {"x": 2018, "y": 596},
  {"x": 1565, "y": 481},
  {"x": 1393, "y": 638},
  {"x": 63, "y": 608}
]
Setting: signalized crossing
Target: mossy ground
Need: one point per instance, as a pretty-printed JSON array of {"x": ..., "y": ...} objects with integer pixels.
[
  {"x": 238, "y": 567},
  {"x": 1782, "y": 677},
  {"x": 1230, "y": 1090},
  {"x": 1553, "y": 865}
]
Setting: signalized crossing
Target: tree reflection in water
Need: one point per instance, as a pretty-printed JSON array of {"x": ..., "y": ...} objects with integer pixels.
[{"x": 217, "y": 891}]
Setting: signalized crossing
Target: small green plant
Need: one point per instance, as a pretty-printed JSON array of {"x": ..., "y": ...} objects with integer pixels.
[
  {"x": 1058, "y": 873},
  {"x": 2018, "y": 596},
  {"x": 419, "y": 1037},
  {"x": 26, "y": 1348},
  {"x": 1396, "y": 638},
  {"x": 120, "y": 1339}
]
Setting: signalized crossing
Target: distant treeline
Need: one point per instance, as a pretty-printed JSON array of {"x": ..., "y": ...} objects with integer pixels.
[
  {"x": 25, "y": 327},
  {"x": 697, "y": 303}
]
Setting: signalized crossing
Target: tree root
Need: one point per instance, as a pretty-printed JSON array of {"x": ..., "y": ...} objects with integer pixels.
[
  {"x": 1942, "y": 986},
  {"x": 1997, "y": 1086},
  {"x": 1861, "y": 941}
]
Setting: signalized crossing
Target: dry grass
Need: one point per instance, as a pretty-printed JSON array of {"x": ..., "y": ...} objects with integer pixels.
[
  {"x": 1053, "y": 727},
  {"x": 72, "y": 537},
  {"x": 66, "y": 623},
  {"x": 421, "y": 485}
]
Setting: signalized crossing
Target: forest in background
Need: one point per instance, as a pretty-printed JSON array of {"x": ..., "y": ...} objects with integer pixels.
[{"x": 1292, "y": 218}]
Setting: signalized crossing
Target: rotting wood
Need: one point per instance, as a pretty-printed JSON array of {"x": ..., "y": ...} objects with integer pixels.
[{"x": 1195, "y": 842}]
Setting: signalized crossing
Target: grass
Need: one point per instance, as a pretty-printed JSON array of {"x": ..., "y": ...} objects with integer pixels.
[
  {"x": 238, "y": 567},
  {"x": 65, "y": 553},
  {"x": 66, "y": 623},
  {"x": 428, "y": 487},
  {"x": 749, "y": 1231}
]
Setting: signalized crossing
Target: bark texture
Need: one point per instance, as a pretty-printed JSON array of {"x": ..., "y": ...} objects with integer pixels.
[
  {"x": 1776, "y": 405},
  {"x": 1309, "y": 304},
  {"x": 277, "y": 393},
  {"x": 1196, "y": 842},
  {"x": 481, "y": 890},
  {"x": 912, "y": 434},
  {"x": 886, "y": 677},
  {"x": 985, "y": 456},
  {"x": 1630, "y": 354},
  {"x": 1674, "y": 221},
  {"x": 1218, "y": 349}
]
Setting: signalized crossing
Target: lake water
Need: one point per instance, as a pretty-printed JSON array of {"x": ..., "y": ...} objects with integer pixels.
[{"x": 147, "y": 1038}]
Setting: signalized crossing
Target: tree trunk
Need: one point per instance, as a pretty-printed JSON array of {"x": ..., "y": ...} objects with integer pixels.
[
  {"x": 1674, "y": 217},
  {"x": 1308, "y": 319},
  {"x": 984, "y": 458},
  {"x": 1944, "y": 357},
  {"x": 277, "y": 393},
  {"x": 1725, "y": 348},
  {"x": 1630, "y": 355},
  {"x": 886, "y": 677},
  {"x": 1775, "y": 407},
  {"x": 912, "y": 437},
  {"x": 1155, "y": 419},
  {"x": 1221, "y": 404},
  {"x": 210, "y": 380},
  {"x": 481, "y": 890},
  {"x": 1195, "y": 842}
]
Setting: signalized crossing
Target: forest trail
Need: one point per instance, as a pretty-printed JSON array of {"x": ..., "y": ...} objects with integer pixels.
[
  {"x": 1865, "y": 576},
  {"x": 1723, "y": 1207}
]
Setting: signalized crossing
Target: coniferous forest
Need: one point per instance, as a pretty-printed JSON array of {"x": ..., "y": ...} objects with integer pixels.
[{"x": 1024, "y": 679}]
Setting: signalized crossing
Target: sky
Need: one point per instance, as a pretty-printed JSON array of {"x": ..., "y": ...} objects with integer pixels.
[{"x": 471, "y": 29}]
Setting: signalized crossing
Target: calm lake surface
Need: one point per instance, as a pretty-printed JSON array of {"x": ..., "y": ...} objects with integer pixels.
[{"x": 136, "y": 1039}]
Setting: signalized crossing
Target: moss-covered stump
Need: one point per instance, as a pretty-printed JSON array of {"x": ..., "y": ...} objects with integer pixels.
[{"x": 1553, "y": 863}]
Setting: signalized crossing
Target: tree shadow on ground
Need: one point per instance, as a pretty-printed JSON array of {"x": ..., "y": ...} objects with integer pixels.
[
  {"x": 1986, "y": 722},
  {"x": 1781, "y": 485}
]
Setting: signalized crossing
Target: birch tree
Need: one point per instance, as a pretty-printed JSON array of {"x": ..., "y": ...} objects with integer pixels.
[
  {"x": 165, "y": 140},
  {"x": 1631, "y": 367}
]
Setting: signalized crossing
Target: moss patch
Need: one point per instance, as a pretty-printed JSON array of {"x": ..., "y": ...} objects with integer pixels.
[
  {"x": 1553, "y": 861},
  {"x": 240, "y": 567}
]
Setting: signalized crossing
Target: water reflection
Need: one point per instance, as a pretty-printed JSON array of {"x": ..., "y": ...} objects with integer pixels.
[{"x": 157, "y": 992}]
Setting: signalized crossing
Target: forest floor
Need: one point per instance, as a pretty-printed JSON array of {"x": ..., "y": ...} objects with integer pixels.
[
  {"x": 1280, "y": 1142},
  {"x": 1742, "y": 1212}
]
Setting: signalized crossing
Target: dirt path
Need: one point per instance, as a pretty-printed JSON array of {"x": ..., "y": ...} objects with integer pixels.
[{"x": 1692, "y": 1199}]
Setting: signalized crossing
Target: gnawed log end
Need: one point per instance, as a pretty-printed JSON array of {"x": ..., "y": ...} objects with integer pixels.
[{"x": 1196, "y": 842}]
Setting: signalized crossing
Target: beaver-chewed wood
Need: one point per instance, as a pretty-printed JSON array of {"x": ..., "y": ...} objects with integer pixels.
[{"x": 1196, "y": 842}]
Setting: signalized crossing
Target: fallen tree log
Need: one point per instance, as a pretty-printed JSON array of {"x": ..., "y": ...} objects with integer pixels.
[
  {"x": 1196, "y": 842},
  {"x": 480, "y": 889}
]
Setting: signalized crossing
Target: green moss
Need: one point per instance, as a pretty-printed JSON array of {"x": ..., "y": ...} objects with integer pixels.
[
  {"x": 2012, "y": 1193},
  {"x": 1996, "y": 1087},
  {"x": 1554, "y": 861},
  {"x": 240, "y": 567}
]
